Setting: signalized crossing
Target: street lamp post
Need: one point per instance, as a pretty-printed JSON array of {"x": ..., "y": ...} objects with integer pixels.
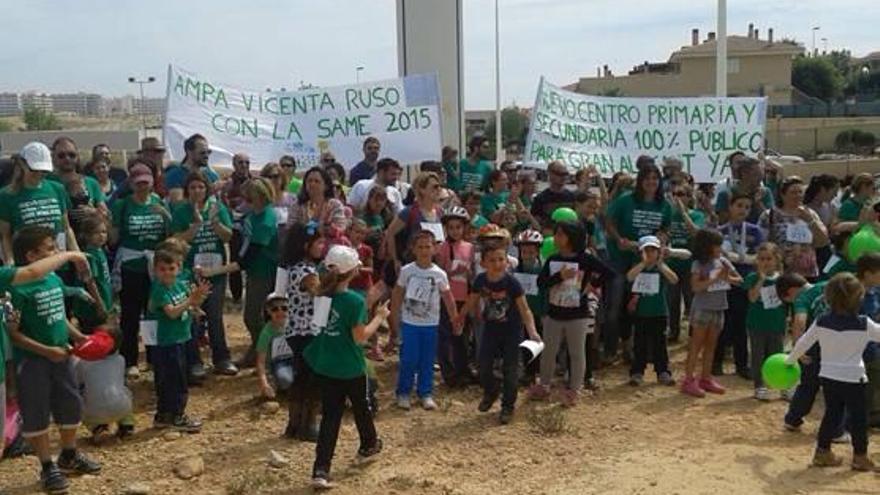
[
  {"x": 815, "y": 28},
  {"x": 357, "y": 73},
  {"x": 721, "y": 51},
  {"x": 141, "y": 82},
  {"x": 498, "y": 138},
  {"x": 824, "y": 45}
]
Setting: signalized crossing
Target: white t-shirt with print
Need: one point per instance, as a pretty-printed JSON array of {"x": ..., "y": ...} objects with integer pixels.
[{"x": 421, "y": 294}]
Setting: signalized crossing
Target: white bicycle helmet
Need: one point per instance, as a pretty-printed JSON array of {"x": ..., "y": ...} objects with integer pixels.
[
  {"x": 455, "y": 212},
  {"x": 529, "y": 237}
]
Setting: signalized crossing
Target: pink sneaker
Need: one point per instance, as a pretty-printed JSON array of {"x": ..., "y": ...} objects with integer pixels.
[
  {"x": 711, "y": 385},
  {"x": 538, "y": 392},
  {"x": 569, "y": 398},
  {"x": 689, "y": 386}
]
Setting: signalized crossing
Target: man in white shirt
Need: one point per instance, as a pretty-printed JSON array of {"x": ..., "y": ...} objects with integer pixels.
[{"x": 387, "y": 174}]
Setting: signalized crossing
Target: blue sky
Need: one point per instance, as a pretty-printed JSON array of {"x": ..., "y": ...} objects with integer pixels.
[{"x": 94, "y": 45}]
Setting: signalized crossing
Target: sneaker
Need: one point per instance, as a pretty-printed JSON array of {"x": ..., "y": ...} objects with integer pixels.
[
  {"x": 197, "y": 374},
  {"x": 133, "y": 372},
  {"x": 78, "y": 463},
  {"x": 843, "y": 438},
  {"x": 862, "y": 463},
  {"x": 538, "y": 392},
  {"x": 826, "y": 458},
  {"x": 569, "y": 398},
  {"x": 591, "y": 384},
  {"x": 487, "y": 402},
  {"x": 428, "y": 403},
  {"x": 365, "y": 455},
  {"x": 711, "y": 385},
  {"x": 321, "y": 481},
  {"x": 690, "y": 387},
  {"x": 99, "y": 430},
  {"x": 635, "y": 380},
  {"x": 506, "y": 416},
  {"x": 53, "y": 480},
  {"x": 124, "y": 431},
  {"x": 665, "y": 378},
  {"x": 225, "y": 368},
  {"x": 403, "y": 402},
  {"x": 186, "y": 424},
  {"x": 161, "y": 421},
  {"x": 791, "y": 427},
  {"x": 762, "y": 393}
]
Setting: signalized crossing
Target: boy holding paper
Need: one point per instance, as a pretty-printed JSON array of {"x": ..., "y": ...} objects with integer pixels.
[{"x": 649, "y": 279}]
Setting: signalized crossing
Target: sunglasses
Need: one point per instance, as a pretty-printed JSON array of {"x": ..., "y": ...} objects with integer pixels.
[
  {"x": 275, "y": 309},
  {"x": 68, "y": 156}
]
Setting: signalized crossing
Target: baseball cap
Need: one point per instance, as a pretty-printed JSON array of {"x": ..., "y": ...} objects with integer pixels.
[
  {"x": 343, "y": 258},
  {"x": 97, "y": 346},
  {"x": 37, "y": 156},
  {"x": 649, "y": 240},
  {"x": 275, "y": 296},
  {"x": 140, "y": 173}
]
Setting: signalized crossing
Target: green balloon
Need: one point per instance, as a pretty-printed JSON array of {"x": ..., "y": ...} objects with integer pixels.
[
  {"x": 548, "y": 248},
  {"x": 778, "y": 375},
  {"x": 564, "y": 214},
  {"x": 863, "y": 241}
]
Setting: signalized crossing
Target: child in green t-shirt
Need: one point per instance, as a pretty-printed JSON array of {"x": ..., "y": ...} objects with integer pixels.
[
  {"x": 274, "y": 356},
  {"x": 44, "y": 370},
  {"x": 93, "y": 237},
  {"x": 172, "y": 301},
  {"x": 766, "y": 316},
  {"x": 336, "y": 357},
  {"x": 649, "y": 279}
]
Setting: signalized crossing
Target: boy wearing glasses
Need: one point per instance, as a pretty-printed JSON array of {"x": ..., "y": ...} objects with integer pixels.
[{"x": 274, "y": 356}]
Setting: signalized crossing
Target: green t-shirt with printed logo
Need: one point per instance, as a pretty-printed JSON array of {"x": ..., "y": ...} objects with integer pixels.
[
  {"x": 84, "y": 311},
  {"x": 170, "y": 331},
  {"x": 46, "y": 204},
  {"x": 7, "y": 273},
  {"x": 140, "y": 227},
  {"x": 634, "y": 219},
  {"x": 811, "y": 302},
  {"x": 653, "y": 305},
  {"x": 472, "y": 177},
  {"x": 90, "y": 184},
  {"x": 334, "y": 352},
  {"x": 43, "y": 317},
  {"x": 760, "y": 318},
  {"x": 261, "y": 232},
  {"x": 206, "y": 246}
]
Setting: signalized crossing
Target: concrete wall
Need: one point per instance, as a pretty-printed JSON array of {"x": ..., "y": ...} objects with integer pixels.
[
  {"x": 838, "y": 168},
  {"x": 806, "y": 137},
  {"x": 12, "y": 142}
]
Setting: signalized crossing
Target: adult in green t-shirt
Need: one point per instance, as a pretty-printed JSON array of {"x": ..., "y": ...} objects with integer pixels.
[
  {"x": 259, "y": 258},
  {"x": 862, "y": 189},
  {"x": 449, "y": 160},
  {"x": 473, "y": 171},
  {"x": 628, "y": 218},
  {"x": 497, "y": 195},
  {"x": 140, "y": 223},
  {"x": 204, "y": 222},
  {"x": 684, "y": 223},
  {"x": 84, "y": 192},
  {"x": 30, "y": 199}
]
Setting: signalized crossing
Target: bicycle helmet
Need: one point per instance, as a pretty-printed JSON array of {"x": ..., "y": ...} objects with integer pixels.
[
  {"x": 455, "y": 212},
  {"x": 529, "y": 237}
]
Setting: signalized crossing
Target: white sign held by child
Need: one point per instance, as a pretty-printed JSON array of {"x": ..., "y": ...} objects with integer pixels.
[
  {"x": 529, "y": 283},
  {"x": 149, "y": 332},
  {"x": 322, "y": 311},
  {"x": 646, "y": 283},
  {"x": 798, "y": 232},
  {"x": 769, "y": 297},
  {"x": 436, "y": 229}
]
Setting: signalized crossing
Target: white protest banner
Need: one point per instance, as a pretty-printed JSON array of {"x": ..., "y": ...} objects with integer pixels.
[
  {"x": 404, "y": 114},
  {"x": 610, "y": 133}
]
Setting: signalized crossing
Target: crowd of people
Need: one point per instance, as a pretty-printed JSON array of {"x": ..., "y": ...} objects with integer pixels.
[{"x": 453, "y": 272}]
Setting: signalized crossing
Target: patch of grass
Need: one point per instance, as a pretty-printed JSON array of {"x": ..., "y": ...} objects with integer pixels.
[{"x": 550, "y": 421}]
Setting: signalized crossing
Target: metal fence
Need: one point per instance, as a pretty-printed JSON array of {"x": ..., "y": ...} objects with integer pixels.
[{"x": 862, "y": 109}]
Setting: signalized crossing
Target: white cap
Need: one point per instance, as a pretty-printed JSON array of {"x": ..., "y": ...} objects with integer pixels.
[
  {"x": 342, "y": 258},
  {"x": 649, "y": 240},
  {"x": 275, "y": 295},
  {"x": 37, "y": 156}
]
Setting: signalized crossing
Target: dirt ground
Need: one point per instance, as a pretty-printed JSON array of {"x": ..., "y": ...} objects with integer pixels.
[{"x": 650, "y": 440}]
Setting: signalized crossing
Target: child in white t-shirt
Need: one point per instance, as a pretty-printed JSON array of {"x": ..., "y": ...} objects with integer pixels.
[{"x": 415, "y": 316}]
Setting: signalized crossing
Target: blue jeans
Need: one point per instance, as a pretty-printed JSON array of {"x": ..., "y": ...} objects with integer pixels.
[
  {"x": 418, "y": 348},
  {"x": 170, "y": 372},
  {"x": 283, "y": 373}
]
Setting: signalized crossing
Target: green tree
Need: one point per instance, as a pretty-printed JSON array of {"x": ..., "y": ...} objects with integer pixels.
[
  {"x": 38, "y": 119},
  {"x": 514, "y": 125},
  {"x": 817, "y": 77}
]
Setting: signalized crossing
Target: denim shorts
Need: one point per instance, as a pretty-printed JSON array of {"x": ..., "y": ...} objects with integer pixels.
[{"x": 707, "y": 318}]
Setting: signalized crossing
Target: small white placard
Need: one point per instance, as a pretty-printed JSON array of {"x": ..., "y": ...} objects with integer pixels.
[
  {"x": 646, "y": 283},
  {"x": 798, "y": 232},
  {"x": 529, "y": 283},
  {"x": 208, "y": 260},
  {"x": 280, "y": 349},
  {"x": 149, "y": 332},
  {"x": 769, "y": 297},
  {"x": 436, "y": 229},
  {"x": 322, "y": 311}
]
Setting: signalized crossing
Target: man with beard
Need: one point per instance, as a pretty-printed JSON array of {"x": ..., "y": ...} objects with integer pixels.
[
  {"x": 234, "y": 200},
  {"x": 86, "y": 196},
  {"x": 473, "y": 171},
  {"x": 196, "y": 156},
  {"x": 387, "y": 174},
  {"x": 366, "y": 169}
]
